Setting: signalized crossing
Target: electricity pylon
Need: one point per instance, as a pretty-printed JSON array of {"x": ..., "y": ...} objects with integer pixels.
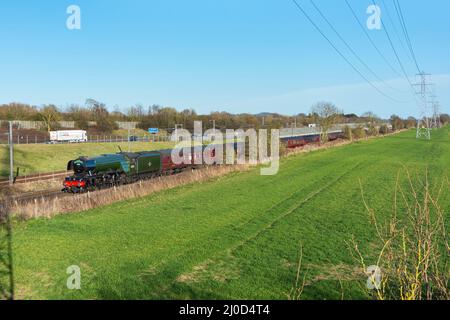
[
  {"x": 436, "y": 120},
  {"x": 423, "y": 123},
  {"x": 436, "y": 115}
]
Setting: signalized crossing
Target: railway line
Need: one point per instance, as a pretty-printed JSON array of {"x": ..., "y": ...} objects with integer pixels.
[
  {"x": 36, "y": 177},
  {"x": 30, "y": 196},
  {"x": 49, "y": 194}
]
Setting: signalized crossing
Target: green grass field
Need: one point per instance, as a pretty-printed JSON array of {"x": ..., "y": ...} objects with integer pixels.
[
  {"x": 36, "y": 158},
  {"x": 235, "y": 237}
]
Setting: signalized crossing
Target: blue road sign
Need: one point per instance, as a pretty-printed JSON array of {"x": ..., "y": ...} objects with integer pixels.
[{"x": 153, "y": 130}]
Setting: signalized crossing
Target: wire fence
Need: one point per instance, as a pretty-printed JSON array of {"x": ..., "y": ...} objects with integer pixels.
[
  {"x": 37, "y": 139},
  {"x": 44, "y": 138}
]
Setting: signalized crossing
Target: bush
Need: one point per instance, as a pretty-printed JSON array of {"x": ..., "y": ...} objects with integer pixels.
[
  {"x": 359, "y": 133},
  {"x": 348, "y": 134},
  {"x": 373, "y": 131},
  {"x": 384, "y": 129},
  {"x": 412, "y": 259}
]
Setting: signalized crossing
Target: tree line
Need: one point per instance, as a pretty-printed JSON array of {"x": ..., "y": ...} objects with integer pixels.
[{"x": 324, "y": 114}]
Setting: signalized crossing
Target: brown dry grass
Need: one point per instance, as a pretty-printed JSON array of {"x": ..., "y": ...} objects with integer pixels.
[
  {"x": 219, "y": 269},
  {"x": 414, "y": 247},
  {"x": 82, "y": 202},
  {"x": 21, "y": 188}
]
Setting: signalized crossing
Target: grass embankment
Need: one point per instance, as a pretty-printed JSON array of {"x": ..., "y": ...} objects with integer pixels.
[
  {"x": 36, "y": 158},
  {"x": 235, "y": 237}
]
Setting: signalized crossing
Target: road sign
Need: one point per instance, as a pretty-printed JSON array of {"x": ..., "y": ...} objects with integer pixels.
[{"x": 153, "y": 130}]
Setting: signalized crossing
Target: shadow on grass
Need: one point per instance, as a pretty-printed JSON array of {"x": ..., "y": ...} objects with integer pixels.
[
  {"x": 161, "y": 285},
  {"x": 4, "y": 161},
  {"x": 440, "y": 140},
  {"x": 6, "y": 261}
]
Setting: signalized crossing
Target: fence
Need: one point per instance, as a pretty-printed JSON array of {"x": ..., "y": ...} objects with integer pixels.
[
  {"x": 40, "y": 139},
  {"x": 43, "y": 138},
  {"x": 35, "y": 139},
  {"x": 127, "y": 125}
]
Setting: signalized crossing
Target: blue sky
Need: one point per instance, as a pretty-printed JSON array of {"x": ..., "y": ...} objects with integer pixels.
[{"x": 210, "y": 55}]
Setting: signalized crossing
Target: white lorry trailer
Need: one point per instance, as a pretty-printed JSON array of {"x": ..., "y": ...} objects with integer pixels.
[{"x": 68, "y": 136}]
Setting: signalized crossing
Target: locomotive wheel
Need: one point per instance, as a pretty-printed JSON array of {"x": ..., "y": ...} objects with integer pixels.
[{"x": 122, "y": 179}]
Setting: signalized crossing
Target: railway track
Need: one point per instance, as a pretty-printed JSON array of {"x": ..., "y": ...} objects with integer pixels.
[
  {"x": 31, "y": 196},
  {"x": 37, "y": 177}
]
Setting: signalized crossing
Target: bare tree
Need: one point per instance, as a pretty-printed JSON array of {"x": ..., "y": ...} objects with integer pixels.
[
  {"x": 371, "y": 122},
  {"x": 136, "y": 112},
  {"x": 49, "y": 114},
  {"x": 445, "y": 118},
  {"x": 326, "y": 114},
  {"x": 101, "y": 115},
  {"x": 396, "y": 122},
  {"x": 370, "y": 117}
]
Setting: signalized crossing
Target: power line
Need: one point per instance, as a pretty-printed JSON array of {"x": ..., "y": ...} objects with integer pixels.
[
  {"x": 371, "y": 40},
  {"x": 423, "y": 124},
  {"x": 340, "y": 53},
  {"x": 348, "y": 46},
  {"x": 395, "y": 51},
  {"x": 386, "y": 8},
  {"x": 398, "y": 58},
  {"x": 398, "y": 8}
]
